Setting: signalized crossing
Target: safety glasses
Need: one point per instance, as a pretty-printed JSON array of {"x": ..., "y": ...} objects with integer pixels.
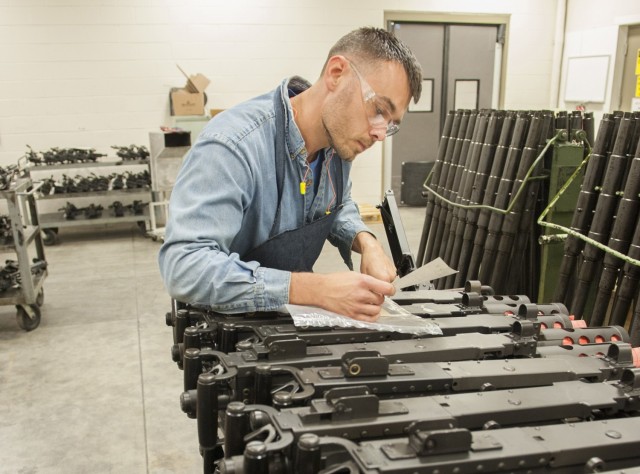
[{"x": 377, "y": 111}]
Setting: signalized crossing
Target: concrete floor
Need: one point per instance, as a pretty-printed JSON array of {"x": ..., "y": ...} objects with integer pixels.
[{"x": 94, "y": 389}]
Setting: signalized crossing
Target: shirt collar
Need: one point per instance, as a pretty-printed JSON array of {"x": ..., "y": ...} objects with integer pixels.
[{"x": 291, "y": 87}]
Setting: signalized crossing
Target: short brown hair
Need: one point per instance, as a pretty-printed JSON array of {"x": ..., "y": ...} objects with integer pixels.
[{"x": 376, "y": 44}]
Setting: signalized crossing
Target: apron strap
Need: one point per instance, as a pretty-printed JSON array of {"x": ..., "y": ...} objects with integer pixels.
[{"x": 339, "y": 181}]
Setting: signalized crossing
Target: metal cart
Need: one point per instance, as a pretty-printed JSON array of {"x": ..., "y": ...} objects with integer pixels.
[{"x": 28, "y": 295}]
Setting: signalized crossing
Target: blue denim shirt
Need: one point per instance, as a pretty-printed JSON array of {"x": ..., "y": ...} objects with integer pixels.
[{"x": 224, "y": 203}]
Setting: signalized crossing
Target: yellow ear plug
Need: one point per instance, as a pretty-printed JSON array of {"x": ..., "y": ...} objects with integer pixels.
[{"x": 303, "y": 187}]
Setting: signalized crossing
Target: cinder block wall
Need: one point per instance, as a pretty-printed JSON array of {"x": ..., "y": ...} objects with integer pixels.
[{"x": 96, "y": 73}]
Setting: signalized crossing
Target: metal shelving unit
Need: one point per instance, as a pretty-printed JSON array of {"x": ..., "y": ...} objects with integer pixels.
[
  {"x": 167, "y": 151},
  {"x": 28, "y": 296},
  {"x": 52, "y": 218}
]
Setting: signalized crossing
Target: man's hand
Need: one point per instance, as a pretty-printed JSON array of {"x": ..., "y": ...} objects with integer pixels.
[
  {"x": 348, "y": 293},
  {"x": 375, "y": 261}
]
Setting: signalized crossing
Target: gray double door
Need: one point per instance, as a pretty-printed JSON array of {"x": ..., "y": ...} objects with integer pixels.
[{"x": 458, "y": 63}]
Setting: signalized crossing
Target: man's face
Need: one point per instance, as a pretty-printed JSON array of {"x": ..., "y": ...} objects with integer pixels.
[{"x": 360, "y": 110}]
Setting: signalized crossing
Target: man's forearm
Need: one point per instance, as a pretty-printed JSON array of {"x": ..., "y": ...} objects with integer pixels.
[
  {"x": 362, "y": 241},
  {"x": 375, "y": 261},
  {"x": 305, "y": 289}
]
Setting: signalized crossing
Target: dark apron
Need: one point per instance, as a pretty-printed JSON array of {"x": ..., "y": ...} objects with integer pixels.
[{"x": 294, "y": 250}]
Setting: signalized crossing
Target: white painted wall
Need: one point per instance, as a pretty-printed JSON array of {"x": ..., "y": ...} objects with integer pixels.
[
  {"x": 598, "y": 28},
  {"x": 96, "y": 73}
]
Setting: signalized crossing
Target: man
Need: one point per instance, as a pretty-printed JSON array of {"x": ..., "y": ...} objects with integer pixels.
[{"x": 267, "y": 182}]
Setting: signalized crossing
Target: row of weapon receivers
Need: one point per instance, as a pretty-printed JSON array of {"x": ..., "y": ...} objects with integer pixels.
[
  {"x": 94, "y": 211},
  {"x": 510, "y": 386},
  {"x": 94, "y": 182},
  {"x": 60, "y": 156}
]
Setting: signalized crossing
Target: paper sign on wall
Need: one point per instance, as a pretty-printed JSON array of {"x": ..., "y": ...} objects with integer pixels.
[
  {"x": 638, "y": 63},
  {"x": 587, "y": 79}
]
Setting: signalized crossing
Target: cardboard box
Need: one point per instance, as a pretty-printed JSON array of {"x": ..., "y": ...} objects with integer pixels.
[
  {"x": 190, "y": 99},
  {"x": 186, "y": 103}
]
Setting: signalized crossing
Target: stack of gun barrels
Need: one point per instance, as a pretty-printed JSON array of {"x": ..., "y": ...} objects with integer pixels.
[
  {"x": 509, "y": 386},
  {"x": 595, "y": 284},
  {"x": 483, "y": 159}
]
